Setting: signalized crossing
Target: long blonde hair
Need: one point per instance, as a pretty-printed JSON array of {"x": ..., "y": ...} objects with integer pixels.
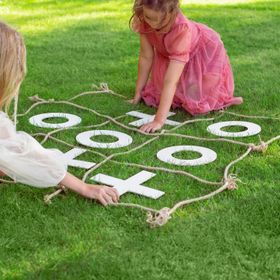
[{"x": 12, "y": 65}]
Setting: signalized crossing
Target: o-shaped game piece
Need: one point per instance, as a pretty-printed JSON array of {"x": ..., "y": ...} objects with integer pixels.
[
  {"x": 252, "y": 129},
  {"x": 123, "y": 139},
  {"x": 207, "y": 155},
  {"x": 38, "y": 120}
]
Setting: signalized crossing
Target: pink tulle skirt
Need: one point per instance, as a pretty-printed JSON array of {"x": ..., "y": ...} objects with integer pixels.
[{"x": 206, "y": 83}]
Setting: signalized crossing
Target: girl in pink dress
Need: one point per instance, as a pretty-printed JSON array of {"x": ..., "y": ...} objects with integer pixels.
[{"x": 187, "y": 61}]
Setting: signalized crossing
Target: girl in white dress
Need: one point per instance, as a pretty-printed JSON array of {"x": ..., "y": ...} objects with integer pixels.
[{"x": 22, "y": 158}]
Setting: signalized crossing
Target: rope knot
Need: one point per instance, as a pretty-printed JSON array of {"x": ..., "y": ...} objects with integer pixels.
[
  {"x": 159, "y": 218},
  {"x": 262, "y": 147},
  {"x": 104, "y": 87},
  {"x": 231, "y": 182},
  {"x": 35, "y": 98},
  {"x": 48, "y": 197}
]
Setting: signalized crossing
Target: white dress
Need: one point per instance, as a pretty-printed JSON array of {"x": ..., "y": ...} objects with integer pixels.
[{"x": 23, "y": 158}]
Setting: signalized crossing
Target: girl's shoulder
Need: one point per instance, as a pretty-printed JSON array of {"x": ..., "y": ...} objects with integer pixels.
[
  {"x": 180, "y": 25},
  {"x": 181, "y": 21}
]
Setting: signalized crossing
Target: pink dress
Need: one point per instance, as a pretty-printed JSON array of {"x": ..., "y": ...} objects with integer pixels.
[{"x": 206, "y": 83}]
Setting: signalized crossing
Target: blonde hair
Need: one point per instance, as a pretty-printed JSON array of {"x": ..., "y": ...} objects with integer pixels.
[
  {"x": 165, "y": 6},
  {"x": 12, "y": 65}
]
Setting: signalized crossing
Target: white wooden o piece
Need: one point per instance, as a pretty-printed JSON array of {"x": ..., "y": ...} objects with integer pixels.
[
  {"x": 252, "y": 129},
  {"x": 123, "y": 139},
  {"x": 207, "y": 155},
  {"x": 38, "y": 120}
]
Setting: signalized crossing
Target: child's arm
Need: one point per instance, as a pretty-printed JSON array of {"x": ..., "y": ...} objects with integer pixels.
[
  {"x": 105, "y": 195},
  {"x": 26, "y": 161},
  {"x": 144, "y": 67},
  {"x": 172, "y": 76}
]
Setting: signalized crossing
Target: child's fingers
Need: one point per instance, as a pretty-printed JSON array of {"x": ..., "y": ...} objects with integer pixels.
[
  {"x": 144, "y": 128},
  {"x": 108, "y": 198},
  {"x": 112, "y": 191},
  {"x": 149, "y": 129},
  {"x": 115, "y": 194},
  {"x": 102, "y": 201},
  {"x": 133, "y": 101}
]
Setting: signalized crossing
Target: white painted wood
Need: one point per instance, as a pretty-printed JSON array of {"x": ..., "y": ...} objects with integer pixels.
[
  {"x": 123, "y": 139},
  {"x": 207, "y": 155},
  {"x": 72, "y": 154},
  {"x": 132, "y": 184},
  {"x": 38, "y": 120},
  {"x": 252, "y": 129},
  {"x": 146, "y": 118}
]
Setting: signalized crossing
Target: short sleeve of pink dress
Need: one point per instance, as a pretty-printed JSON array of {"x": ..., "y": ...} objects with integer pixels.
[
  {"x": 140, "y": 27},
  {"x": 178, "y": 43}
]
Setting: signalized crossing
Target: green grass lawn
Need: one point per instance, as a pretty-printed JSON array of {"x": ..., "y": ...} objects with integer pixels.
[{"x": 236, "y": 235}]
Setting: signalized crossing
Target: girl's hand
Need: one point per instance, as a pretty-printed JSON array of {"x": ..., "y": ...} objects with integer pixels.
[
  {"x": 152, "y": 126},
  {"x": 135, "y": 100},
  {"x": 105, "y": 195}
]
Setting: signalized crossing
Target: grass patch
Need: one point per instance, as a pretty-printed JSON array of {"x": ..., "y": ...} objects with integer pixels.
[{"x": 72, "y": 44}]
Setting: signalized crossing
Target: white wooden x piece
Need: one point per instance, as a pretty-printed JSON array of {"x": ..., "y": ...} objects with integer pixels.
[
  {"x": 71, "y": 161},
  {"x": 132, "y": 184},
  {"x": 146, "y": 118}
]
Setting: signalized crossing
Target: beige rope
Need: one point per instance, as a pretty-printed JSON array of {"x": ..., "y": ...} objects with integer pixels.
[
  {"x": 272, "y": 140},
  {"x": 104, "y": 86},
  {"x": 86, "y": 93},
  {"x": 7, "y": 181},
  {"x": 48, "y": 197},
  {"x": 257, "y": 148},
  {"x": 77, "y": 127},
  {"x": 153, "y": 134},
  {"x": 40, "y": 101},
  {"x": 206, "y": 139},
  {"x": 181, "y": 172},
  {"x": 133, "y": 205},
  {"x": 104, "y": 89},
  {"x": 249, "y": 116},
  {"x": 160, "y": 217},
  {"x": 117, "y": 154},
  {"x": 262, "y": 147},
  {"x": 32, "y": 107}
]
